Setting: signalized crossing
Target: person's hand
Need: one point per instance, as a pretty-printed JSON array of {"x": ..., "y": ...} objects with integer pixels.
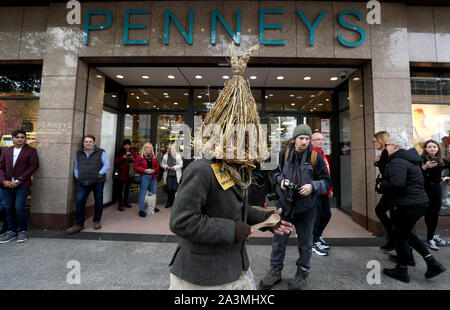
[
  {"x": 429, "y": 164},
  {"x": 445, "y": 179},
  {"x": 376, "y": 160},
  {"x": 13, "y": 184},
  {"x": 282, "y": 183},
  {"x": 147, "y": 171},
  {"x": 6, "y": 184},
  {"x": 124, "y": 156},
  {"x": 331, "y": 194},
  {"x": 285, "y": 228},
  {"x": 306, "y": 190}
]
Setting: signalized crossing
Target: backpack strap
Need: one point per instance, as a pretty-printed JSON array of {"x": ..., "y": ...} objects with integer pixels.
[{"x": 314, "y": 158}]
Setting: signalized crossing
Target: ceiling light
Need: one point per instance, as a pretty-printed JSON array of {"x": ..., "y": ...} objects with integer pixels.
[
  {"x": 137, "y": 97},
  {"x": 320, "y": 104},
  {"x": 199, "y": 97},
  {"x": 198, "y": 77},
  {"x": 253, "y": 77},
  {"x": 146, "y": 102},
  {"x": 292, "y": 103},
  {"x": 270, "y": 95},
  {"x": 280, "y": 77},
  {"x": 132, "y": 94},
  {"x": 225, "y": 77},
  {"x": 327, "y": 99},
  {"x": 299, "y": 97},
  {"x": 175, "y": 103},
  {"x": 128, "y": 106},
  {"x": 312, "y": 96},
  {"x": 312, "y": 110},
  {"x": 356, "y": 79},
  {"x": 186, "y": 94},
  {"x": 145, "y": 77},
  {"x": 99, "y": 76},
  {"x": 334, "y": 78},
  {"x": 267, "y": 97},
  {"x": 307, "y": 78},
  {"x": 119, "y": 76},
  {"x": 114, "y": 96},
  {"x": 171, "y": 77},
  {"x": 145, "y": 94},
  {"x": 348, "y": 98},
  {"x": 154, "y": 106}
]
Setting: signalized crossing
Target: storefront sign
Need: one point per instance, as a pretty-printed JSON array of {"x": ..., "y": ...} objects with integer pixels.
[{"x": 373, "y": 17}]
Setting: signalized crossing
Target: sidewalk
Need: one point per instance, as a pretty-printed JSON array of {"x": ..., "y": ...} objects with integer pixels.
[{"x": 41, "y": 263}]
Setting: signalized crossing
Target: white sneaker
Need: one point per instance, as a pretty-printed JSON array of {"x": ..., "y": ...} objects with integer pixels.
[
  {"x": 432, "y": 245},
  {"x": 319, "y": 249},
  {"x": 439, "y": 241}
]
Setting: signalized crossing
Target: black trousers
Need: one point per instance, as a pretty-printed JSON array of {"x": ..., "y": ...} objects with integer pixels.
[
  {"x": 434, "y": 207},
  {"x": 404, "y": 219},
  {"x": 323, "y": 216},
  {"x": 172, "y": 187},
  {"x": 123, "y": 191},
  {"x": 381, "y": 209}
]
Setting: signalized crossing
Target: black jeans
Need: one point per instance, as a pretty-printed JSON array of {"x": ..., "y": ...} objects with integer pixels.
[
  {"x": 323, "y": 216},
  {"x": 172, "y": 187},
  {"x": 121, "y": 192},
  {"x": 381, "y": 209},
  {"x": 404, "y": 219},
  {"x": 434, "y": 207}
]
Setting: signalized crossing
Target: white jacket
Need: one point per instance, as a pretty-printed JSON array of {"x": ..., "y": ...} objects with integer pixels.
[{"x": 178, "y": 166}]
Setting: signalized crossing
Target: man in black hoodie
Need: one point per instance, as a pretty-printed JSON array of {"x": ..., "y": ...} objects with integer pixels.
[{"x": 403, "y": 180}]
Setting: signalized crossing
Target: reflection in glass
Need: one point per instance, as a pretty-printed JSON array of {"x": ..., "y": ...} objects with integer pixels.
[
  {"x": 157, "y": 98},
  {"x": 204, "y": 98},
  {"x": 281, "y": 129},
  {"x": 298, "y": 100},
  {"x": 137, "y": 129},
  {"x": 165, "y": 134}
]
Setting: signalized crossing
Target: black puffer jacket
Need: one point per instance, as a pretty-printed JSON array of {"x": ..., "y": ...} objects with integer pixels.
[{"x": 403, "y": 179}]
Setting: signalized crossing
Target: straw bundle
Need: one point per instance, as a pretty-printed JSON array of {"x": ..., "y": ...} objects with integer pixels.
[{"x": 231, "y": 129}]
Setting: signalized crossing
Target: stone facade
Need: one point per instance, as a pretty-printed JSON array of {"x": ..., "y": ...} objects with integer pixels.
[{"x": 72, "y": 93}]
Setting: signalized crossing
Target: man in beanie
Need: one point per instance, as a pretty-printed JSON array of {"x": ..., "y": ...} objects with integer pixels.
[{"x": 301, "y": 176}]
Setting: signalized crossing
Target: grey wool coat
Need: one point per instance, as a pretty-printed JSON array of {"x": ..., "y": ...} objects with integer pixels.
[{"x": 203, "y": 217}]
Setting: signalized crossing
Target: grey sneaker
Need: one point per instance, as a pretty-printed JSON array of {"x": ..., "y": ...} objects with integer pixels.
[
  {"x": 432, "y": 245},
  {"x": 8, "y": 236},
  {"x": 439, "y": 241},
  {"x": 272, "y": 277},
  {"x": 299, "y": 282},
  {"x": 22, "y": 237}
]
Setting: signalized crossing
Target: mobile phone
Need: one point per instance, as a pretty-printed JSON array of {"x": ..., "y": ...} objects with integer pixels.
[{"x": 434, "y": 159}]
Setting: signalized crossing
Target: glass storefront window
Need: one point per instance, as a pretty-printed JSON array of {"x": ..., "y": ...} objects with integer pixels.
[
  {"x": 20, "y": 81},
  {"x": 165, "y": 134},
  {"x": 281, "y": 129},
  {"x": 157, "y": 98},
  {"x": 204, "y": 98},
  {"x": 137, "y": 129},
  {"x": 298, "y": 100}
]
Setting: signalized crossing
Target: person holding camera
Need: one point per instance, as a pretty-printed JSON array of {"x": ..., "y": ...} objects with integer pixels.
[
  {"x": 433, "y": 165},
  {"x": 385, "y": 204},
  {"x": 302, "y": 175},
  {"x": 403, "y": 180},
  {"x": 123, "y": 161},
  {"x": 91, "y": 165}
]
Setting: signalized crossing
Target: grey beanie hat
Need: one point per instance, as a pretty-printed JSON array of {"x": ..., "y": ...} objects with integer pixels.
[{"x": 302, "y": 129}]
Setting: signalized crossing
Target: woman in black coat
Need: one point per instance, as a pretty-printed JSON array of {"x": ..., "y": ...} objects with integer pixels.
[
  {"x": 432, "y": 167},
  {"x": 403, "y": 180}
]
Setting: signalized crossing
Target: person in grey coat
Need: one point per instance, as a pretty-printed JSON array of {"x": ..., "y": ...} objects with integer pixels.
[{"x": 212, "y": 225}]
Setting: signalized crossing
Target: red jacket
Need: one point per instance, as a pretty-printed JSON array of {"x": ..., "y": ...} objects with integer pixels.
[
  {"x": 141, "y": 164},
  {"x": 26, "y": 164},
  {"x": 124, "y": 165},
  {"x": 328, "y": 167}
]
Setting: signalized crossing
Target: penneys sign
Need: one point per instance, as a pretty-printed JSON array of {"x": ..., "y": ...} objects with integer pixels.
[{"x": 74, "y": 17}]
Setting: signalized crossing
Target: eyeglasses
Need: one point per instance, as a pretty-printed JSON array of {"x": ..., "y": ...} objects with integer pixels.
[{"x": 319, "y": 139}]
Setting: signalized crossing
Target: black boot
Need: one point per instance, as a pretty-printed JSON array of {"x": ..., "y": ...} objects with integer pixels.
[
  {"x": 411, "y": 261},
  {"x": 399, "y": 272},
  {"x": 389, "y": 246},
  {"x": 433, "y": 267},
  {"x": 299, "y": 282}
]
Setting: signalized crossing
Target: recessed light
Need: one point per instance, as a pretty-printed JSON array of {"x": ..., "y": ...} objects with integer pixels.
[
  {"x": 280, "y": 77},
  {"x": 128, "y": 106},
  {"x": 114, "y": 96},
  {"x": 327, "y": 99},
  {"x": 291, "y": 95},
  {"x": 360, "y": 105},
  {"x": 356, "y": 79},
  {"x": 334, "y": 78},
  {"x": 99, "y": 76},
  {"x": 270, "y": 95},
  {"x": 171, "y": 77},
  {"x": 145, "y": 77},
  {"x": 199, "y": 97},
  {"x": 186, "y": 94},
  {"x": 146, "y": 102},
  {"x": 320, "y": 104},
  {"x": 154, "y": 106},
  {"x": 175, "y": 103},
  {"x": 253, "y": 77},
  {"x": 165, "y": 94},
  {"x": 299, "y": 97},
  {"x": 312, "y": 96},
  {"x": 137, "y": 97},
  {"x": 307, "y": 78},
  {"x": 119, "y": 76},
  {"x": 225, "y": 77},
  {"x": 132, "y": 94},
  {"x": 348, "y": 98},
  {"x": 292, "y": 103},
  {"x": 267, "y": 97},
  {"x": 198, "y": 77},
  {"x": 312, "y": 110}
]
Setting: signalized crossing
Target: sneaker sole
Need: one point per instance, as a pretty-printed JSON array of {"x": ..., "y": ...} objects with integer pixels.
[
  {"x": 433, "y": 248},
  {"x": 1, "y": 242},
  {"x": 263, "y": 286},
  {"x": 22, "y": 240},
  {"x": 319, "y": 253}
]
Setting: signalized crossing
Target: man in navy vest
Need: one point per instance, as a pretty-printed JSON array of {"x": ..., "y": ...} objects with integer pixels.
[
  {"x": 17, "y": 164},
  {"x": 91, "y": 165},
  {"x": 299, "y": 204}
]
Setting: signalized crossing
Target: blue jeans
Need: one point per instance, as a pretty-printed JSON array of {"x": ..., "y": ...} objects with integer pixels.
[
  {"x": 15, "y": 200},
  {"x": 304, "y": 225},
  {"x": 82, "y": 195},
  {"x": 147, "y": 183}
]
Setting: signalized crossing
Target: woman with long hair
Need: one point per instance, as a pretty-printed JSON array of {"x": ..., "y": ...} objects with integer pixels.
[
  {"x": 433, "y": 165},
  {"x": 147, "y": 165},
  {"x": 123, "y": 161},
  {"x": 172, "y": 164},
  {"x": 385, "y": 204}
]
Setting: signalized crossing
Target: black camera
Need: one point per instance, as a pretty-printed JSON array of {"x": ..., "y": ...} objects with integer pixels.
[{"x": 291, "y": 190}]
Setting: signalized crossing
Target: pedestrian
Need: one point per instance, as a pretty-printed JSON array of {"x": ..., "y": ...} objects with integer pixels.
[
  {"x": 211, "y": 215},
  {"x": 385, "y": 204},
  {"x": 432, "y": 167},
  {"x": 320, "y": 246},
  {"x": 17, "y": 164},
  {"x": 91, "y": 166},
  {"x": 403, "y": 180},
  {"x": 302, "y": 175},
  {"x": 123, "y": 162},
  {"x": 147, "y": 165},
  {"x": 172, "y": 162}
]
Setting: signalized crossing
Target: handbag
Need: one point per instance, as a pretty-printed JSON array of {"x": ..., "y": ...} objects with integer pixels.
[
  {"x": 378, "y": 180},
  {"x": 136, "y": 176}
]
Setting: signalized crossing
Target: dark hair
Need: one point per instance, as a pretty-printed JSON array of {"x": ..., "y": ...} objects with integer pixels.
[
  {"x": 438, "y": 154},
  {"x": 19, "y": 131},
  {"x": 126, "y": 141},
  {"x": 88, "y": 136}
]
